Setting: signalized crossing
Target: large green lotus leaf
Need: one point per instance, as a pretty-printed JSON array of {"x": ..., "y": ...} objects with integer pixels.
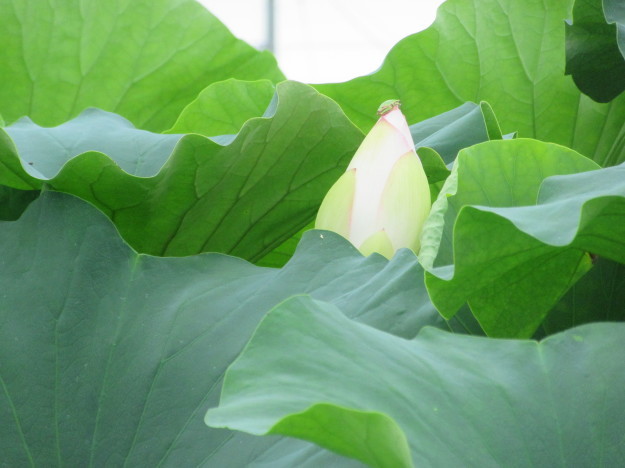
[
  {"x": 110, "y": 357},
  {"x": 223, "y": 107},
  {"x": 143, "y": 59},
  {"x": 508, "y": 53},
  {"x": 176, "y": 195},
  {"x": 593, "y": 57},
  {"x": 437, "y": 141},
  {"x": 438, "y": 400},
  {"x": 513, "y": 264}
]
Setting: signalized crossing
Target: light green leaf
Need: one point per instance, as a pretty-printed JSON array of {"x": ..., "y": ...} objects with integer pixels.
[
  {"x": 499, "y": 173},
  {"x": 513, "y": 264},
  {"x": 179, "y": 195},
  {"x": 493, "y": 128},
  {"x": 505, "y": 52},
  {"x": 449, "y": 400},
  {"x": 112, "y": 357},
  {"x": 223, "y": 107},
  {"x": 143, "y": 59}
]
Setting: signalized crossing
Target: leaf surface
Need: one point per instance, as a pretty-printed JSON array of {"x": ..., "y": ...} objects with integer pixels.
[
  {"x": 513, "y": 258},
  {"x": 223, "y": 107},
  {"x": 177, "y": 195},
  {"x": 438, "y": 400},
  {"x": 113, "y": 357},
  {"x": 142, "y": 59},
  {"x": 599, "y": 296}
]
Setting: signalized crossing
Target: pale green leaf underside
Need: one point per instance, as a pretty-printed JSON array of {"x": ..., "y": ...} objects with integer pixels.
[{"x": 496, "y": 174}]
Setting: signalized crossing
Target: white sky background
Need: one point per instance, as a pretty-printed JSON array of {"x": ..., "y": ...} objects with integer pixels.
[{"x": 318, "y": 41}]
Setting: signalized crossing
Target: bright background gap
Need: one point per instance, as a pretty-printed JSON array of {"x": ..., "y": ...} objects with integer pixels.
[{"x": 318, "y": 41}]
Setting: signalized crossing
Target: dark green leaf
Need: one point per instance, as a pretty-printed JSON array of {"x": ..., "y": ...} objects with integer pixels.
[
  {"x": 279, "y": 256},
  {"x": 593, "y": 57},
  {"x": 598, "y": 296},
  {"x": 13, "y": 202}
]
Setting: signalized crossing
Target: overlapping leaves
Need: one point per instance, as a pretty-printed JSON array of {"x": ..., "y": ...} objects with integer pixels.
[
  {"x": 438, "y": 400},
  {"x": 513, "y": 247},
  {"x": 178, "y": 195},
  {"x": 241, "y": 194},
  {"x": 111, "y": 357}
]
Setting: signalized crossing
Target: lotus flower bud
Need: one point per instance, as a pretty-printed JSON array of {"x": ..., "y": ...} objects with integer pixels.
[{"x": 380, "y": 203}]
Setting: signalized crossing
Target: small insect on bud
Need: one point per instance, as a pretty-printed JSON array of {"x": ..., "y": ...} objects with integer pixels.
[{"x": 388, "y": 106}]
